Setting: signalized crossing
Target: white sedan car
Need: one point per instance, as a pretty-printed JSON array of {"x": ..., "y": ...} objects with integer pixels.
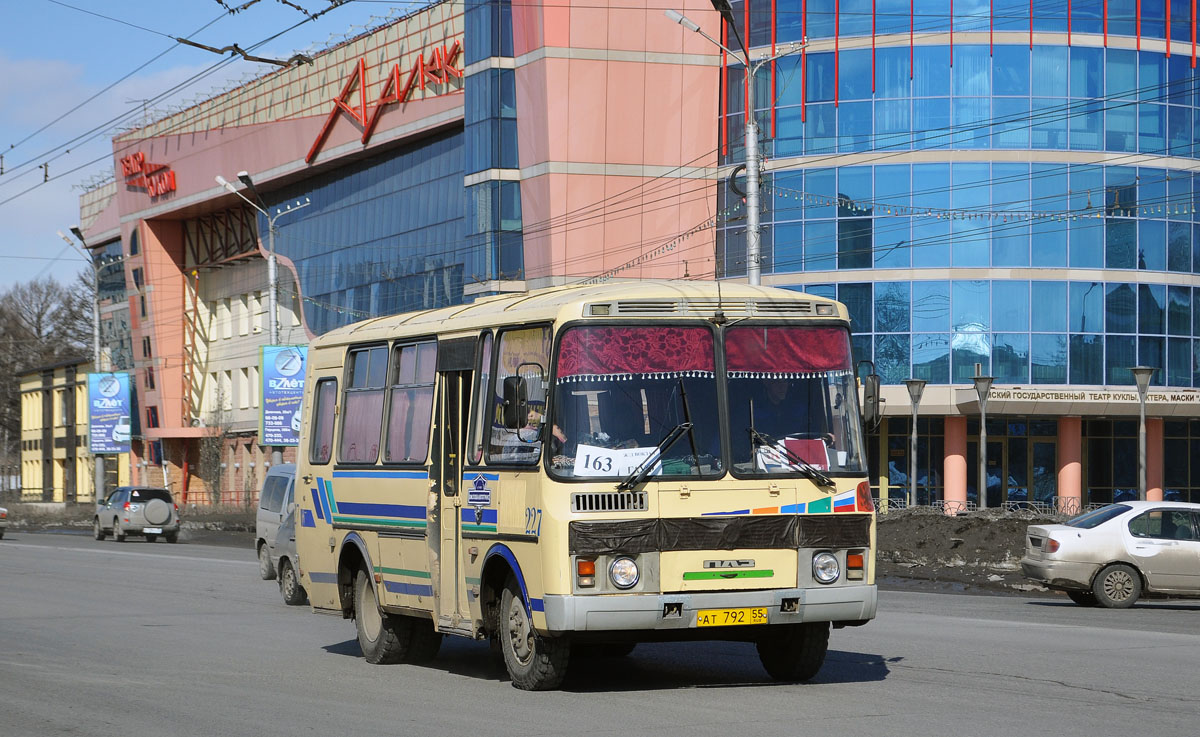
[{"x": 1113, "y": 555}]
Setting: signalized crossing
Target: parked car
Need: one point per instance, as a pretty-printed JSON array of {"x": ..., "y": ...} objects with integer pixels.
[
  {"x": 137, "y": 510},
  {"x": 274, "y": 501},
  {"x": 1113, "y": 555},
  {"x": 3, "y": 521},
  {"x": 283, "y": 557}
]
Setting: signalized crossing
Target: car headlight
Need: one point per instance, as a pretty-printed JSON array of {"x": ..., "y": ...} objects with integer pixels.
[
  {"x": 826, "y": 568},
  {"x": 624, "y": 573}
]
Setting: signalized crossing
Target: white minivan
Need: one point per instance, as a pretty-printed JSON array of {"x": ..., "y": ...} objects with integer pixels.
[{"x": 274, "y": 503}]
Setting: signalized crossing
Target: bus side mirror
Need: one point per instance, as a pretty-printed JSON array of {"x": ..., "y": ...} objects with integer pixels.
[
  {"x": 871, "y": 410},
  {"x": 516, "y": 402}
]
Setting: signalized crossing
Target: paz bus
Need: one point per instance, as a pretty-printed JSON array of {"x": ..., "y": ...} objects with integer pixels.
[{"x": 591, "y": 467}]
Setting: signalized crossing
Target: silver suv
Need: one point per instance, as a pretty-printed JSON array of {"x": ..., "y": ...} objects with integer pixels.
[{"x": 137, "y": 510}]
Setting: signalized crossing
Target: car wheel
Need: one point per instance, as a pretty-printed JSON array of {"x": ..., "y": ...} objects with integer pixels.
[
  {"x": 796, "y": 653},
  {"x": 289, "y": 584},
  {"x": 1083, "y": 598},
  {"x": 1117, "y": 586},
  {"x": 534, "y": 663},
  {"x": 117, "y": 532},
  {"x": 97, "y": 530},
  {"x": 382, "y": 637},
  {"x": 265, "y": 569}
]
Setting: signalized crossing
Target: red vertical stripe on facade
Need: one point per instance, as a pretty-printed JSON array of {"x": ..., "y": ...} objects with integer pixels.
[
  {"x": 746, "y": 39},
  {"x": 951, "y": 32},
  {"x": 872, "y": 46},
  {"x": 1068, "y": 22},
  {"x": 910, "y": 38},
  {"x": 774, "y": 23},
  {"x": 1193, "y": 34},
  {"x": 991, "y": 28},
  {"x": 1139, "y": 25},
  {"x": 1030, "y": 25},
  {"x": 837, "y": 61},
  {"x": 1105, "y": 23},
  {"x": 1168, "y": 11},
  {"x": 804, "y": 62}
]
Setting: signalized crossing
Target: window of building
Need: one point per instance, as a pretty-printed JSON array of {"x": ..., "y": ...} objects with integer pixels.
[
  {"x": 149, "y": 378},
  {"x": 152, "y": 417}
]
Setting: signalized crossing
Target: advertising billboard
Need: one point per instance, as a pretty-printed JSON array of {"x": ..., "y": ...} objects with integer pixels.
[
  {"x": 282, "y": 371},
  {"x": 109, "y": 413}
]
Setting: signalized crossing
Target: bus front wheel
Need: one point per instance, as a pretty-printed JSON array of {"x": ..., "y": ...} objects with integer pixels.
[
  {"x": 534, "y": 663},
  {"x": 796, "y": 653}
]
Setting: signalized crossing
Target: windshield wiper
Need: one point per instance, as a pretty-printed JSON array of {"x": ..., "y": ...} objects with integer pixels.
[
  {"x": 639, "y": 474},
  {"x": 687, "y": 417},
  {"x": 759, "y": 439}
]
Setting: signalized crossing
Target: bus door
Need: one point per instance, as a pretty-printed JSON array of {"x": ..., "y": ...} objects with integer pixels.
[{"x": 455, "y": 359}]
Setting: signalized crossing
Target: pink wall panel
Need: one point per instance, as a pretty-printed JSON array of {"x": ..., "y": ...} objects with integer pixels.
[
  {"x": 527, "y": 27},
  {"x": 627, "y": 27},
  {"x": 533, "y": 110},
  {"x": 664, "y": 115},
  {"x": 556, "y": 23},
  {"x": 589, "y": 25},
  {"x": 626, "y": 114},
  {"x": 587, "y": 111}
]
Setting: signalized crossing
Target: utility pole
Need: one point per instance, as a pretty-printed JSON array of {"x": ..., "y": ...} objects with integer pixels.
[
  {"x": 272, "y": 269},
  {"x": 753, "y": 160}
]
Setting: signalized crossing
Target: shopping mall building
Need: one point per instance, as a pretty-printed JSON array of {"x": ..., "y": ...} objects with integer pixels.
[{"x": 978, "y": 185}]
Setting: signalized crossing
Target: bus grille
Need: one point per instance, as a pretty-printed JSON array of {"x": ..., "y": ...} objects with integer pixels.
[
  {"x": 609, "y": 501},
  {"x": 708, "y": 306}
]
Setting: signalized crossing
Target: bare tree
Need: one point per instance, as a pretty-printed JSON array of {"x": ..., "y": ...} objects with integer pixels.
[{"x": 212, "y": 447}]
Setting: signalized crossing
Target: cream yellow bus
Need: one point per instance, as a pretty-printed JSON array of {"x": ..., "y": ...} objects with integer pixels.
[{"x": 590, "y": 467}]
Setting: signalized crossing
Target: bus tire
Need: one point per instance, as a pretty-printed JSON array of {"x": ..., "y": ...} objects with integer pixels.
[
  {"x": 382, "y": 637},
  {"x": 796, "y": 653},
  {"x": 534, "y": 663}
]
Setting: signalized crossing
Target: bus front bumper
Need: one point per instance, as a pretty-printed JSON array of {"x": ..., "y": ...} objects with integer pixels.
[{"x": 678, "y": 610}]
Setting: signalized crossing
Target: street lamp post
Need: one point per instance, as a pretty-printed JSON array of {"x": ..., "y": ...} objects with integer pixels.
[
  {"x": 1142, "y": 374},
  {"x": 97, "y": 458},
  {"x": 753, "y": 162},
  {"x": 983, "y": 385},
  {"x": 272, "y": 272},
  {"x": 915, "y": 388}
]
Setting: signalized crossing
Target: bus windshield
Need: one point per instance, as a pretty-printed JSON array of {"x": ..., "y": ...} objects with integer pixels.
[
  {"x": 792, "y": 397},
  {"x": 622, "y": 390}
]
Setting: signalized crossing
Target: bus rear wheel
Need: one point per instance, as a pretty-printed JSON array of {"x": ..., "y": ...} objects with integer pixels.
[
  {"x": 390, "y": 638},
  {"x": 534, "y": 663},
  {"x": 796, "y": 653}
]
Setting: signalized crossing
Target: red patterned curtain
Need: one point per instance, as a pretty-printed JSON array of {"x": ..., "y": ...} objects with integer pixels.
[
  {"x": 787, "y": 350},
  {"x": 635, "y": 350}
]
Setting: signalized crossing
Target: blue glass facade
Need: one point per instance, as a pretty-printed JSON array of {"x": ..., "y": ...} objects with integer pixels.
[
  {"x": 1021, "y": 202},
  {"x": 398, "y": 231},
  {"x": 898, "y": 207}
]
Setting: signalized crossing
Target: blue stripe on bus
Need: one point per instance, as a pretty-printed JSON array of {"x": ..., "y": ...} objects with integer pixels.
[
  {"x": 306, "y": 518},
  {"x": 317, "y": 577},
  {"x": 792, "y": 508},
  {"x": 725, "y": 514},
  {"x": 489, "y": 476},
  {"x": 405, "y": 511},
  {"x": 412, "y": 589},
  {"x": 383, "y": 473},
  {"x": 316, "y": 495},
  {"x": 489, "y": 516},
  {"x": 537, "y": 605}
]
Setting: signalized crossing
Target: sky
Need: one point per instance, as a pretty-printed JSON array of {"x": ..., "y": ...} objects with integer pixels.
[{"x": 55, "y": 55}]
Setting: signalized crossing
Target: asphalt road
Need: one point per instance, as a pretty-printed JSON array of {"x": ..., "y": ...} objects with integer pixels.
[{"x": 100, "y": 638}]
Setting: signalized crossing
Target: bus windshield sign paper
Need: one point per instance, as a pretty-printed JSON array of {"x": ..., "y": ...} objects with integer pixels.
[
  {"x": 592, "y": 460},
  {"x": 282, "y": 371},
  {"x": 109, "y": 425}
]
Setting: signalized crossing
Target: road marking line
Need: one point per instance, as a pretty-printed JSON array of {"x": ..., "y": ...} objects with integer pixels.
[{"x": 130, "y": 553}]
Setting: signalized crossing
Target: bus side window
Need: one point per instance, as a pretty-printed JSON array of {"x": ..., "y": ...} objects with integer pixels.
[
  {"x": 362, "y": 418},
  {"x": 320, "y": 447},
  {"x": 411, "y": 405},
  {"x": 479, "y": 420}
]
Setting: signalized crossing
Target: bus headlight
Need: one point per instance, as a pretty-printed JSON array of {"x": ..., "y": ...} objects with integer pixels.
[
  {"x": 624, "y": 573},
  {"x": 826, "y": 568}
]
